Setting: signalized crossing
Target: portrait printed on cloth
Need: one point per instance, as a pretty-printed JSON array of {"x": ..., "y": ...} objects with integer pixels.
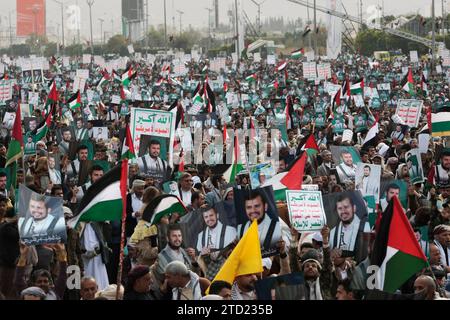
[
  {"x": 258, "y": 204},
  {"x": 347, "y": 215},
  {"x": 41, "y": 218},
  {"x": 368, "y": 180}
]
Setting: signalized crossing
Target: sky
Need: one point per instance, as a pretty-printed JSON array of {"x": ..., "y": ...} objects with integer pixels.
[{"x": 195, "y": 12}]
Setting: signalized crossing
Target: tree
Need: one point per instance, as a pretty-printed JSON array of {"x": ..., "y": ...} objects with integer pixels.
[
  {"x": 117, "y": 44},
  {"x": 36, "y": 42}
]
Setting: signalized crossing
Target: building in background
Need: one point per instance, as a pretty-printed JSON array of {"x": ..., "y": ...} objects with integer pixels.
[
  {"x": 133, "y": 19},
  {"x": 31, "y": 17}
]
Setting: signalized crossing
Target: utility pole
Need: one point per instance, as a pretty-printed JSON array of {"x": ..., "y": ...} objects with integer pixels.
[
  {"x": 101, "y": 30},
  {"x": 433, "y": 35},
  {"x": 78, "y": 27},
  {"x": 316, "y": 53},
  {"x": 58, "y": 43},
  {"x": 360, "y": 13},
  {"x": 258, "y": 19},
  {"x": 443, "y": 18},
  {"x": 165, "y": 22},
  {"x": 146, "y": 26},
  {"x": 237, "y": 30},
  {"x": 90, "y": 3},
  {"x": 309, "y": 22},
  {"x": 10, "y": 31},
  {"x": 209, "y": 26},
  {"x": 181, "y": 26},
  {"x": 62, "y": 23}
]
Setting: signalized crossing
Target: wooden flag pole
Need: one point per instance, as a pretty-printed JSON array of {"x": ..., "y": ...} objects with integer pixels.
[{"x": 123, "y": 190}]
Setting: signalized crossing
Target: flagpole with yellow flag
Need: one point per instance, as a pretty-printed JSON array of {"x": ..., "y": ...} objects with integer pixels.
[{"x": 245, "y": 259}]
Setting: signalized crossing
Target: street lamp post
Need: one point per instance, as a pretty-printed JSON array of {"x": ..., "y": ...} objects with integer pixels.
[
  {"x": 181, "y": 26},
  {"x": 101, "y": 30},
  {"x": 62, "y": 24},
  {"x": 209, "y": 25},
  {"x": 35, "y": 10},
  {"x": 90, "y": 3},
  {"x": 258, "y": 23},
  {"x": 165, "y": 23}
]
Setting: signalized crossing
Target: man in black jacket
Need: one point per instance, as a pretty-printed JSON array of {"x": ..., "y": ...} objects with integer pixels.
[{"x": 9, "y": 250}]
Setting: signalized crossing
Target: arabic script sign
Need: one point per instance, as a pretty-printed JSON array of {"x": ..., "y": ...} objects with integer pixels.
[
  {"x": 306, "y": 210},
  {"x": 149, "y": 122}
]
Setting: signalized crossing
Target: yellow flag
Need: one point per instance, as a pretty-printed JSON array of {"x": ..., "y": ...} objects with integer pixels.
[{"x": 245, "y": 259}]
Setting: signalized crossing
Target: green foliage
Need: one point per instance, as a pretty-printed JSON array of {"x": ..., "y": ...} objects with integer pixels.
[
  {"x": 117, "y": 44},
  {"x": 368, "y": 41}
]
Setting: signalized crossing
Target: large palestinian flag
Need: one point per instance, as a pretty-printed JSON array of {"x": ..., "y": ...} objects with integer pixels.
[
  {"x": 103, "y": 200},
  {"x": 41, "y": 131},
  {"x": 408, "y": 82},
  {"x": 396, "y": 250},
  {"x": 290, "y": 179},
  {"x": 440, "y": 124},
  {"x": 74, "y": 102}
]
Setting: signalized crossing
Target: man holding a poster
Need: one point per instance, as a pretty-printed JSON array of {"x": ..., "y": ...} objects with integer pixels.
[
  {"x": 153, "y": 165},
  {"x": 212, "y": 239}
]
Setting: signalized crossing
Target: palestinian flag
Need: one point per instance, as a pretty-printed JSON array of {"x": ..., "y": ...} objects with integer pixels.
[
  {"x": 116, "y": 77},
  {"x": 105, "y": 79},
  {"x": 357, "y": 88},
  {"x": 408, "y": 82},
  {"x": 290, "y": 179},
  {"x": 236, "y": 163},
  {"x": 163, "y": 205},
  {"x": 103, "y": 200},
  {"x": 127, "y": 76},
  {"x": 179, "y": 118},
  {"x": 336, "y": 100},
  {"x": 210, "y": 98},
  {"x": 273, "y": 85},
  {"x": 346, "y": 90},
  {"x": 75, "y": 101},
  {"x": 310, "y": 145},
  {"x": 371, "y": 136},
  {"x": 424, "y": 85},
  {"x": 127, "y": 146},
  {"x": 41, "y": 131},
  {"x": 440, "y": 124},
  {"x": 396, "y": 250},
  {"x": 205, "y": 68},
  {"x": 282, "y": 66},
  {"x": 15, "y": 146},
  {"x": 251, "y": 78},
  {"x": 53, "y": 94},
  {"x": 298, "y": 54}
]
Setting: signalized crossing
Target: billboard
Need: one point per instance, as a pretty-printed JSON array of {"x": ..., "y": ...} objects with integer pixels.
[
  {"x": 30, "y": 17},
  {"x": 133, "y": 10}
]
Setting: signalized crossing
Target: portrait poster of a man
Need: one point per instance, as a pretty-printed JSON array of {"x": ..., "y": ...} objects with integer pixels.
[
  {"x": 41, "y": 218},
  {"x": 347, "y": 216},
  {"x": 258, "y": 204}
]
